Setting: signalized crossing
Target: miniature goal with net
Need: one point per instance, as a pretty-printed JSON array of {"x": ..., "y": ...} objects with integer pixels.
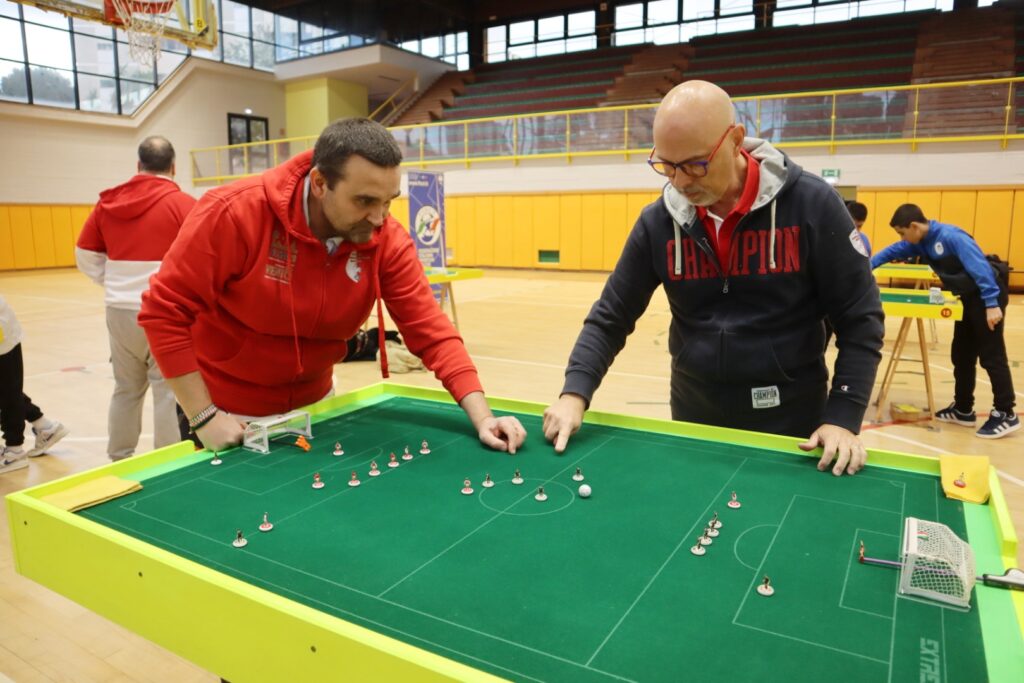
[
  {"x": 259, "y": 433},
  {"x": 937, "y": 564}
]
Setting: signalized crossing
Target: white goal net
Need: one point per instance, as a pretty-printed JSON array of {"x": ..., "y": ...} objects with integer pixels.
[
  {"x": 260, "y": 433},
  {"x": 936, "y": 563}
]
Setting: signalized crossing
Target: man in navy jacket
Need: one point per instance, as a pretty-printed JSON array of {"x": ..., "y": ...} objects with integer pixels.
[{"x": 753, "y": 253}]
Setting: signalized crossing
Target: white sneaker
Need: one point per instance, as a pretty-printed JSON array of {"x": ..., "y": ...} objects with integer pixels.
[
  {"x": 10, "y": 461},
  {"x": 47, "y": 438}
]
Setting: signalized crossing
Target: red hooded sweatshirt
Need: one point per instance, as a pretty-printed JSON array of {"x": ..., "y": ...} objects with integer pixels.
[
  {"x": 250, "y": 298},
  {"x": 127, "y": 234}
]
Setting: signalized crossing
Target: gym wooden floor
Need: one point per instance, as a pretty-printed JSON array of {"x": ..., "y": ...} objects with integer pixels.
[{"x": 519, "y": 327}]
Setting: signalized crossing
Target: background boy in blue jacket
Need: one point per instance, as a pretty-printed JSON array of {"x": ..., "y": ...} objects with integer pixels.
[{"x": 958, "y": 261}]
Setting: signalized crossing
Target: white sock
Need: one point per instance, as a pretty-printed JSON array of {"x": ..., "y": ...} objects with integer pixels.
[{"x": 42, "y": 424}]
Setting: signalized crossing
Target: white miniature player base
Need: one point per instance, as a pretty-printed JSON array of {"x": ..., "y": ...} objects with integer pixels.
[
  {"x": 318, "y": 484},
  {"x": 239, "y": 542},
  {"x": 714, "y": 523},
  {"x": 216, "y": 460},
  {"x": 734, "y": 504},
  {"x": 394, "y": 463},
  {"x": 374, "y": 472},
  {"x": 698, "y": 549},
  {"x": 266, "y": 526},
  {"x": 705, "y": 540},
  {"x": 517, "y": 480},
  {"x": 488, "y": 482},
  {"x": 424, "y": 449},
  {"x": 541, "y": 496},
  {"x": 354, "y": 482},
  {"x": 713, "y": 533},
  {"x": 467, "y": 490},
  {"x": 766, "y": 591}
]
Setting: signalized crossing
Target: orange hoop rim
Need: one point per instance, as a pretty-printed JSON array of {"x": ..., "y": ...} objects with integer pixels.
[{"x": 150, "y": 7}]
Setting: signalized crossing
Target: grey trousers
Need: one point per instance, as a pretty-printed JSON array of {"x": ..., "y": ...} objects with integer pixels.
[{"x": 135, "y": 371}]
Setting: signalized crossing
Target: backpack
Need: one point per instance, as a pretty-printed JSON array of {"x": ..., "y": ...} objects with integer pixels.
[{"x": 1001, "y": 269}]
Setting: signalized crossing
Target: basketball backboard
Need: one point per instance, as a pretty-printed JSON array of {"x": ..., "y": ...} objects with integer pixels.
[{"x": 191, "y": 22}]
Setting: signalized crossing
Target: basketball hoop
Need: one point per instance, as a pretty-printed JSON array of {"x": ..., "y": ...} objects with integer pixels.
[{"x": 143, "y": 21}]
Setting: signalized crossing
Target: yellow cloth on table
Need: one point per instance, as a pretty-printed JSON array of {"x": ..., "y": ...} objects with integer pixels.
[
  {"x": 92, "y": 493},
  {"x": 965, "y": 477}
]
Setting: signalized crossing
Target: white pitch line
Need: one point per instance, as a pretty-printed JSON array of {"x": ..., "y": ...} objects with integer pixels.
[{"x": 910, "y": 441}]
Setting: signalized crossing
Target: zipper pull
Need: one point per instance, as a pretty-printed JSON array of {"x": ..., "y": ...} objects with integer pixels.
[{"x": 725, "y": 287}]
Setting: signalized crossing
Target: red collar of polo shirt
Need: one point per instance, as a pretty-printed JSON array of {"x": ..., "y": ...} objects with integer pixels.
[{"x": 722, "y": 239}]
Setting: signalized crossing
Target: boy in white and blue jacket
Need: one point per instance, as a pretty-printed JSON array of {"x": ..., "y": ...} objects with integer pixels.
[{"x": 959, "y": 262}]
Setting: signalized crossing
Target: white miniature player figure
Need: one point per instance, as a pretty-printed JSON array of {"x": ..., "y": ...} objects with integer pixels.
[
  {"x": 765, "y": 588},
  {"x": 239, "y": 541},
  {"x": 424, "y": 448},
  {"x": 216, "y": 459},
  {"x": 338, "y": 449},
  {"x": 733, "y": 502},
  {"x": 406, "y": 455},
  {"x": 517, "y": 478},
  {"x": 317, "y": 484},
  {"x": 266, "y": 525},
  {"x": 705, "y": 539},
  {"x": 578, "y": 476},
  {"x": 467, "y": 487},
  {"x": 714, "y": 523},
  {"x": 354, "y": 481},
  {"x": 541, "y": 496},
  {"x": 374, "y": 472},
  {"x": 698, "y": 547},
  {"x": 393, "y": 461},
  {"x": 488, "y": 482}
]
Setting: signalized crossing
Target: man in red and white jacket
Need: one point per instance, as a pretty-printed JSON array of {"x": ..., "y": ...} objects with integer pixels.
[
  {"x": 121, "y": 246},
  {"x": 271, "y": 275}
]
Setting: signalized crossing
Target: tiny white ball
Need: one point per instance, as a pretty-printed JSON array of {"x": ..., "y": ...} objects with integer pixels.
[{"x": 585, "y": 491}]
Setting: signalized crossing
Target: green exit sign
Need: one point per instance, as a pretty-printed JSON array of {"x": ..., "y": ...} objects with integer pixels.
[{"x": 830, "y": 173}]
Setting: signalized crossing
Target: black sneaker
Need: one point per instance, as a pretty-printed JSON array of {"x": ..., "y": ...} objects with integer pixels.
[
  {"x": 999, "y": 424},
  {"x": 951, "y": 414}
]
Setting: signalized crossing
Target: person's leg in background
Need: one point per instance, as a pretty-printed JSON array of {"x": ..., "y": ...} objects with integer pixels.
[
  {"x": 165, "y": 416},
  {"x": 128, "y": 356},
  {"x": 964, "y": 355},
  {"x": 12, "y": 411},
  {"x": 991, "y": 347}
]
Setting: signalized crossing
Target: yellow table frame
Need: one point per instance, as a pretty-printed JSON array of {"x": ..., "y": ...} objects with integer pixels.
[{"x": 444, "y": 277}]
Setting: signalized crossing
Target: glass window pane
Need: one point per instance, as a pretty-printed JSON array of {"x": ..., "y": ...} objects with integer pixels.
[
  {"x": 337, "y": 43},
  {"x": 551, "y": 47},
  {"x": 94, "y": 55},
  {"x": 581, "y": 23},
  {"x": 662, "y": 12},
  {"x": 234, "y": 18},
  {"x": 629, "y": 16},
  {"x": 129, "y": 67},
  {"x": 12, "y": 82},
  {"x": 309, "y": 32},
  {"x": 794, "y": 17},
  {"x": 462, "y": 63},
  {"x": 166, "y": 64},
  {"x": 237, "y": 50},
  {"x": 410, "y": 45},
  {"x": 449, "y": 44},
  {"x": 52, "y": 87},
  {"x": 495, "y": 34},
  {"x": 462, "y": 43},
  {"x": 283, "y": 54},
  {"x": 744, "y": 23},
  {"x": 8, "y": 9},
  {"x": 551, "y": 27},
  {"x": 698, "y": 9},
  {"x": 48, "y": 46},
  {"x": 133, "y": 94},
  {"x": 96, "y": 93},
  {"x": 92, "y": 28},
  {"x": 287, "y": 34},
  {"x": 431, "y": 47},
  {"x": 10, "y": 40},
  {"x": 872, "y": 8},
  {"x": 783, "y": 4},
  {"x": 263, "y": 56},
  {"x": 38, "y": 16},
  {"x": 633, "y": 37},
  {"x": 521, "y": 32},
  {"x": 494, "y": 57},
  {"x": 262, "y": 25},
  {"x": 168, "y": 45},
  {"x": 735, "y": 6},
  {"x": 522, "y": 51},
  {"x": 663, "y": 35},
  {"x": 687, "y": 32},
  {"x": 580, "y": 44},
  {"x": 828, "y": 13},
  {"x": 313, "y": 47},
  {"x": 706, "y": 28}
]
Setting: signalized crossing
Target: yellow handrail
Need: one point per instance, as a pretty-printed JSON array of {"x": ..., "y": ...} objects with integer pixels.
[
  {"x": 390, "y": 100},
  {"x": 822, "y": 118}
]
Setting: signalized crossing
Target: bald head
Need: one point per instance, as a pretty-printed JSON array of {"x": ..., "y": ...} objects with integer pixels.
[
  {"x": 693, "y": 112},
  {"x": 156, "y": 155}
]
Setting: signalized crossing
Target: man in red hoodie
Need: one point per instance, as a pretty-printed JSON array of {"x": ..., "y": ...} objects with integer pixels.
[
  {"x": 272, "y": 274},
  {"x": 121, "y": 246}
]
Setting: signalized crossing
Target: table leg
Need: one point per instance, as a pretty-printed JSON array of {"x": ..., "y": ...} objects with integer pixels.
[
  {"x": 926, "y": 368},
  {"x": 890, "y": 368},
  {"x": 451, "y": 302}
]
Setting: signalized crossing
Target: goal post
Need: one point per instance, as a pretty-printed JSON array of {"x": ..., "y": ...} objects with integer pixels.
[
  {"x": 260, "y": 433},
  {"x": 937, "y": 564}
]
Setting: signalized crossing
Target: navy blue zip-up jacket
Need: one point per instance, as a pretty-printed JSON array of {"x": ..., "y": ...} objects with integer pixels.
[{"x": 756, "y": 321}]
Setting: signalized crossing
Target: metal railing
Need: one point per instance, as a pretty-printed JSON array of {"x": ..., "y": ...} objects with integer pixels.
[{"x": 965, "y": 111}]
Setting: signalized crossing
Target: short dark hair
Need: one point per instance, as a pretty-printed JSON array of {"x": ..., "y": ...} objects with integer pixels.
[
  {"x": 906, "y": 214},
  {"x": 156, "y": 154},
  {"x": 858, "y": 211},
  {"x": 346, "y": 137}
]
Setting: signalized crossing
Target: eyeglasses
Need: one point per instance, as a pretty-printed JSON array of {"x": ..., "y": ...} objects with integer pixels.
[{"x": 694, "y": 169}]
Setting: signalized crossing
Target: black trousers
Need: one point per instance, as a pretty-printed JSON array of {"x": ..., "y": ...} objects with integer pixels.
[
  {"x": 974, "y": 342},
  {"x": 799, "y": 413},
  {"x": 15, "y": 406}
]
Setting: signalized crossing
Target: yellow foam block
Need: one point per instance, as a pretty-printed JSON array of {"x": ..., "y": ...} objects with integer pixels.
[
  {"x": 92, "y": 493},
  {"x": 965, "y": 477}
]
